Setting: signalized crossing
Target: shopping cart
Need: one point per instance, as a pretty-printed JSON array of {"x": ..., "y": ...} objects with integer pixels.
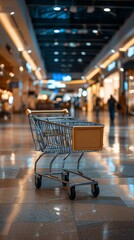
[{"x": 56, "y": 132}]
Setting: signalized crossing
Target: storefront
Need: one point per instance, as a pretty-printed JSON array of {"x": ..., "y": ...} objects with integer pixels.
[
  {"x": 6, "y": 104},
  {"x": 129, "y": 78},
  {"x": 131, "y": 93},
  {"x": 111, "y": 86},
  {"x": 108, "y": 83}
]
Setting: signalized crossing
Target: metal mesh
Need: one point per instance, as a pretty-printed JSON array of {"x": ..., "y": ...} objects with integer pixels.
[{"x": 54, "y": 134}]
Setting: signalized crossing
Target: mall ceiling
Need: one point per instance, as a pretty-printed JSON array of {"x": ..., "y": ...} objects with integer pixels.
[{"x": 70, "y": 38}]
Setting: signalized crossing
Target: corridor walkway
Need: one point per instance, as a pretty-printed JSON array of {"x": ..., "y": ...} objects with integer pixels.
[{"x": 48, "y": 213}]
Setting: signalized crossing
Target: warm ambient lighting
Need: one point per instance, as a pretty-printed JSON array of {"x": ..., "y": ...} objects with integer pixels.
[
  {"x": 29, "y": 60},
  {"x": 12, "y": 13},
  {"x": 122, "y": 69},
  {"x": 16, "y": 38},
  {"x": 127, "y": 45},
  {"x": 75, "y": 82},
  {"x": 29, "y": 51},
  {"x": 93, "y": 73},
  {"x": 38, "y": 74},
  {"x": 21, "y": 68},
  {"x": 112, "y": 58},
  {"x": 109, "y": 60},
  {"x": 6, "y": 22}
]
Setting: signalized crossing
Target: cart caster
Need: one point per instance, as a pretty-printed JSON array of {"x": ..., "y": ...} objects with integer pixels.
[
  {"x": 38, "y": 181},
  {"x": 72, "y": 193},
  {"x": 95, "y": 190},
  {"x": 65, "y": 177}
]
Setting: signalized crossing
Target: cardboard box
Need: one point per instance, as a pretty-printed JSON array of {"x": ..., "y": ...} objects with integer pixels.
[{"x": 87, "y": 138}]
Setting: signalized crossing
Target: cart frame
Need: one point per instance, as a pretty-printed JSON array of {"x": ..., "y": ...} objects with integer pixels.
[{"x": 64, "y": 135}]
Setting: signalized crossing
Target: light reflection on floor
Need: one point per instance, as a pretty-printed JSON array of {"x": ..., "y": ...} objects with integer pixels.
[{"x": 27, "y": 213}]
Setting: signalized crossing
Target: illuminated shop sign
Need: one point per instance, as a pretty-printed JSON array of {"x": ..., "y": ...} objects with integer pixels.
[
  {"x": 111, "y": 66},
  {"x": 52, "y": 84},
  {"x": 61, "y": 77},
  {"x": 130, "y": 52}
]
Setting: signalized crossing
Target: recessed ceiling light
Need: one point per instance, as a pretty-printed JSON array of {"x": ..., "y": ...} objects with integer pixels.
[
  {"x": 56, "y": 43},
  {"x": 79, "y": 60},
  {"x": 12, "y": 13},
  {"x": 56, "y": 59},
  {"x": 56, "y": 8},
  {"x": 11, "y": 74},
  {"x": 95, "y": 31},
  {"x": 56, "y": 31},
  {"x": 107, "y": 9},
  {"x": 21, "y": 68},
  {"x": 20, "y": 49},
  {"x": 72, "y": 44},
  {"x": 112, "y": 51},
  {"x": 83, "y": 53},
  {"x": 2, "y": 65},
  {"x": 88, "y": 44},
  {"x": 1, "y": 73},
  {"x": 56, "y": 53}
]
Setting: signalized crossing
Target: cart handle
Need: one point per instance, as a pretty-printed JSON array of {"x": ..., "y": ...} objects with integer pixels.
[{"x": 28, "y": 111}]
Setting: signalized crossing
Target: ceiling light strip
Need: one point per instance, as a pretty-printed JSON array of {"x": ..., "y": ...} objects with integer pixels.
[
  {"x": 127, "y": 45},
  {"x": 75, "y": 82},
  {"x": 93, "y": 73},
  {"x": 14, "y": 35},
  {"x": 29, "y": 60},
  {"x": 109, "y": 60},
  {"x": 8, "y": 26}
]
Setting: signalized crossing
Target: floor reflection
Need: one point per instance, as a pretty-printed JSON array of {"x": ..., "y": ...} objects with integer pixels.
[{"x": 27, "y": 213}]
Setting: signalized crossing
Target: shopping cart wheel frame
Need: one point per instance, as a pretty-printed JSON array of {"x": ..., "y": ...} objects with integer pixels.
[
  {"x": 72, "y": 193},
  {"x": 95, "y": 190},
  {"x": 65, "y": 177},
  {"x": 38, "y": 181}
]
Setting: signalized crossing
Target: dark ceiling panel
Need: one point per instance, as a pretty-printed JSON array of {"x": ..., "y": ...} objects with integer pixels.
[
  {"x": 76, "y": 41},
  {"x": 83, "y": 3}
]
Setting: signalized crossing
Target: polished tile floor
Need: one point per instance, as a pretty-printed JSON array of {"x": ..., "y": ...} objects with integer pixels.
[{"x": 48, "y": 213}]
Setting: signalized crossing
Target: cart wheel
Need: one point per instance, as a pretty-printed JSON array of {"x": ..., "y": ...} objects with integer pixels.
[
  {"x": 72, "y": 193},
  {"x": 95, "y": 190},
  {"x": 38, "y": 181},
  {"x": 65, "y": 177}
]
